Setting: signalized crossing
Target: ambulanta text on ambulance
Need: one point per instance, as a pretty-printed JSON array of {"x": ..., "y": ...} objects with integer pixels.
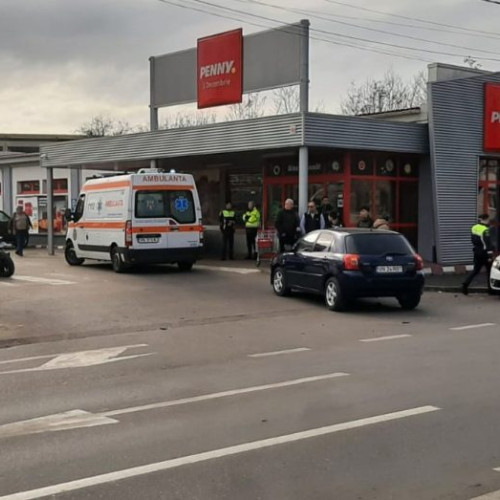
[{"x": 150, "y": 217}]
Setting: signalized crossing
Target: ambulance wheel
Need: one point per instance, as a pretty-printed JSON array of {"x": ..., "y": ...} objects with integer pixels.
[
  {"x": 185, "y": 266},
  {"x": 118, "y": 265},
  {"x": 71, "y": 257}
]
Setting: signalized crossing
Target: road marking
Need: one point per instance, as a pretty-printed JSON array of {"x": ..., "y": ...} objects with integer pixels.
[
  {"x": 78, "y": 359},
  {"x": 494, "y": 495},
  {"x": 388, "y": 337},
  {"x": 45, "y": 281},
  {"x": 277, "y": 353},
  {"x": 78, "y": 418},
  {"x": 471, "y": 327},
  {"x": 224, "y": 394},
  {"x": 74, "y": 419},
  {"x": 237, "y": 270},
  {"x": 213, "y": 454},
  {"x": 4, "y": 283}
]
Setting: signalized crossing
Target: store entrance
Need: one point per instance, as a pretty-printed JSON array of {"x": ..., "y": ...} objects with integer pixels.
[
  {"x": 278, "y": 190},
  {"x": 489, "y": 195}
]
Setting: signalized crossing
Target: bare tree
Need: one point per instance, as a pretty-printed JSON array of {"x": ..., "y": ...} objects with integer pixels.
[
  {"x": 195, "y": 119},
  {"x": 286, "y": 100},
  {"x": 101, "y": 125},
  {"x": 387, "y": 94},
  {"x": 472, "y": 63},
  {"x": 253, "y": 106}
]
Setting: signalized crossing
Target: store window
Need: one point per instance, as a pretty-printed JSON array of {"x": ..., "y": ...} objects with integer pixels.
[
  {"x": 361, "y": 196},
  {"x": 28, "y": 187},
  {"x": 60, "y": 186},
  {"x": 208, "y": 184},
  {"x": 362, "y": 164},
  {"x": 243, "y": 187},
  {"x": 274, "y": 201},
  {"x": 385, "y": 199},
  {"x": 489, "y": 194}
]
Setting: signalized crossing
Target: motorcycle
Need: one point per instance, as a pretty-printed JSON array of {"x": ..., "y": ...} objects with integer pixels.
[{"x": 7, "y": 267}]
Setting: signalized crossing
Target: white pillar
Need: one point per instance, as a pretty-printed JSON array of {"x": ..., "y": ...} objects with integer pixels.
[
  {"x": 50, "y": 210},
  {"x": 303, "y": 178}
]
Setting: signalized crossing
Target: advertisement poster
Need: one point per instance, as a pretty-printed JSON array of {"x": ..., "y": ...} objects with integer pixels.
[{"x": 60, "y": 205}]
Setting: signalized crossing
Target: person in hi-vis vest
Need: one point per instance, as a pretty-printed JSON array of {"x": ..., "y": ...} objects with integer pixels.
[
  {"x": 251, "y": 218},
  {"x": 227, "y": 222},
  {"x": 483, "y": 251}
]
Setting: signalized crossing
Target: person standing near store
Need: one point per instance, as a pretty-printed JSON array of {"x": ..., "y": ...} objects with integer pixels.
[
  {"x": 482, "y": 249},
  {"x": 334, "y": 220},
  {"x": 325, "y": 209},
  {"x": 251, "y": 218},
  {"x": 312, "y": 219},
  {"x": 227, "y": 223},
  {"x": 287, "y": 225},
  {"x": 21, "y": 225},
  {"x": 365, "y": 221}
]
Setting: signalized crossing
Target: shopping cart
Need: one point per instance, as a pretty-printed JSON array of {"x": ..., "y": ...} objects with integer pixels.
[{"x": 266, "y": 244}]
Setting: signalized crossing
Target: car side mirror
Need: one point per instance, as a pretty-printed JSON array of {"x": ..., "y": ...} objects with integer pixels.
[{"x": 68, "y": 215}]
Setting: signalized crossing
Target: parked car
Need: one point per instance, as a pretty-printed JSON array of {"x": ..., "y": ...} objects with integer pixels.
[
  {"x": 346, "y": 264},
  {"x": 5, "y": 229},
  {"x": 495, "y": 275}
]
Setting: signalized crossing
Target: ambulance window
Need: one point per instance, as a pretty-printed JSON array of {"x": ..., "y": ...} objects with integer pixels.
[
  {"x": 177, "y": 205},
  {"x": 79, "y": 208}
]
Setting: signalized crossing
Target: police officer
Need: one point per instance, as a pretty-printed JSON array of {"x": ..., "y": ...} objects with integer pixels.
[
  {"x": 227, "y": 222},
  {"x": 251, "y": 218},
  {"x": 483, "y": 251}
]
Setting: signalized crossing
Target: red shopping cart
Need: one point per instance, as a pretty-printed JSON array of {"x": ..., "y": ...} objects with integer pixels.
[{"x": 266, "y": 244}]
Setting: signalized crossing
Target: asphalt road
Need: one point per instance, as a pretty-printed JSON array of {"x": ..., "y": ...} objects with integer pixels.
[{"x": 166, "y": 385}]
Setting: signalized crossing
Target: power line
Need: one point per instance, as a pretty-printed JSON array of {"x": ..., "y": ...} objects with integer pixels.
[
  {"x": 359, "y": 39},
  {"x": 280, "y": 23},
  {"x": 408, "y": 18},
  {"x": 323, "y": 18}
]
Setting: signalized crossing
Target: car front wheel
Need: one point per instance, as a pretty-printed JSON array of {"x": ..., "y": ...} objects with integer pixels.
[
  {"x": 70, "y": 255},
  {"x": 409, "y": 301},
  {"x": 279, "y": 283},
  {"x": 334, "y": 298}
]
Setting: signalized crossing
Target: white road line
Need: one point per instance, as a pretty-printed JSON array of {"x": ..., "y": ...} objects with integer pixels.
[
  {"x": 212, "y": 455},
  {"x": 471, "y": 327},
  {"x": 4, "y": 283},
  {"x": 45, "y": 281},
  {"x": 389, "y": 337},
  {"x": 277, "y": 353},
  {"x": 237, "y": 270},
  {"x": 71, "y": 354},
  {"x": 225, "y": 394},
  {"x": 494, "y": 495}
]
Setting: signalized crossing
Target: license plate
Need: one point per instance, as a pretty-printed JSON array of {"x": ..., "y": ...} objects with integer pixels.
[
  {"x": 389, "y": 269},
  {"x": 148, "y": 240}
]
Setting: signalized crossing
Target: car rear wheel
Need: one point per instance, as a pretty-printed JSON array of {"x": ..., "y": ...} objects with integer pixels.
[
  {"x": 409, "y": 301},
  {"x": 185, "y": 266},
  {"x": 71, "y": 257},
  {"x": 279, "y": 283},
  {"x": 118, "y": 265},
  {"x": 334, "y": 298}
]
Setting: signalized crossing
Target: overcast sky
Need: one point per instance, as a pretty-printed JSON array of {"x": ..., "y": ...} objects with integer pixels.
[{"x": 64, "y": 61}]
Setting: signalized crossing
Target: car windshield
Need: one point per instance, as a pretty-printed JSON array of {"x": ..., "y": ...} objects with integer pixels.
[{"x": 378, "y": 244}]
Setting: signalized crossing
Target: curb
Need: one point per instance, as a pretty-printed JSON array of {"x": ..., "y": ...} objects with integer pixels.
[
  {"x": 454, "y": 289},
  {"x": 438, "y": 270}
]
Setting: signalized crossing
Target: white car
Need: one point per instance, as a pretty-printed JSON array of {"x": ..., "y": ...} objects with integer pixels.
[{"x": 495, "y": 275}]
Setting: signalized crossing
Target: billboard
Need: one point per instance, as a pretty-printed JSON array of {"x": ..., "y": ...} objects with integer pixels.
[
  {"x": 491, "y": 134},
  {"x": 220, "y": 69},
  {"x": 271, "y": 59}
]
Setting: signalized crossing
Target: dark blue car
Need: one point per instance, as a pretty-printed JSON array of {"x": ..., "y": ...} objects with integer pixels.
[{"x": 346, "y": 264}]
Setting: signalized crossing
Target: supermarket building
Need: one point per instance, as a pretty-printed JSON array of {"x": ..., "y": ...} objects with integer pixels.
[{"x": 431, "y": 170}]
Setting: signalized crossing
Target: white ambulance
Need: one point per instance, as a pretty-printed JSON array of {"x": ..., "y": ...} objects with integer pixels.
[{"x": 146, "y": 218}]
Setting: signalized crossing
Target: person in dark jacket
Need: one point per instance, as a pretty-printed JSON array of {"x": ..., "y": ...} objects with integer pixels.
[
  {"x": 482, "y": 249},
  {"x": 334, "y": 220},
  {"x": 364, "y": 218},
  {"x": 325, "y": 209},
  {"x": 287, "y": 225},
  {"x": 227, "y": 222},
  {"x": 20, "y": 226},
  {"x": 312, "y": 219}
]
